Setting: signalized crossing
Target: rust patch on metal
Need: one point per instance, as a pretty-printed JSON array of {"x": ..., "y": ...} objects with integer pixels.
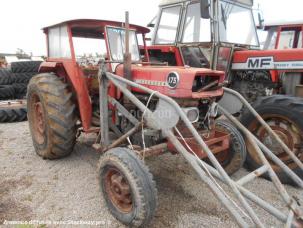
[{"x": 118, "y": 190}]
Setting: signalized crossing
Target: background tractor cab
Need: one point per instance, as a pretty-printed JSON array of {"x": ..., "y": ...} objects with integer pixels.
[
  {"x": 281, "y": 35},
  {"x": 222, "y": 35},
  {"x": 204, "y": 32}
]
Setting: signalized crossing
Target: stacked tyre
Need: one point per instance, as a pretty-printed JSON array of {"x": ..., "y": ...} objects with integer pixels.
[
  {"x": 12, "y": 111},
  {"x": 13, "y": 85},
  {"x": 22, "y": 74},
  {"x": 7, "y": 90}
]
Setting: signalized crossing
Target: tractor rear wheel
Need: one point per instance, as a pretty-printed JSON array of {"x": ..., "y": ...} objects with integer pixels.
[
  {"x": 233, "y": 159},
  {"x": 284, "y": 115},
  {"x": 51, "y": 115},
  {"x": 128, "y": 187}
]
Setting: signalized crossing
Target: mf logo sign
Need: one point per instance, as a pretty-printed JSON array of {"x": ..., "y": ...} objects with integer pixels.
[
  {"x": 255, "y": 63},
  {"x": 260, "y": 63}
]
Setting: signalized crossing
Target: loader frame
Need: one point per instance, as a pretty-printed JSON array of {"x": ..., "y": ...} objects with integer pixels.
[{"x": 206, "y": 172}]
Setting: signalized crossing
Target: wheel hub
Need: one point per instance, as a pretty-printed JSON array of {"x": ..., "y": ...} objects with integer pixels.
[
  {"x": 38, "y": 119},
  {"x": 118, "y": 190},
  {"x": 288, "y": 132},
  {"x": 272, "y": 143}
]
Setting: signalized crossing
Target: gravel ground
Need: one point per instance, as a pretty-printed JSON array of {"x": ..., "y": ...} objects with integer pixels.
[{"x": 64, "y": 190}]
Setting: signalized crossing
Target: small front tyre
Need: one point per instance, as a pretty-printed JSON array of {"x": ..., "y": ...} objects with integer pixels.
[
  {"x": 128, "y": 187},
  {"x": 233, "y": 159}
]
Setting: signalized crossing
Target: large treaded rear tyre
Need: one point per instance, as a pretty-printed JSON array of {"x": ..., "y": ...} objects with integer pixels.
[
  {"x": 6, "y": 77},
  {"x": 25, "y": 66},
  {"x": 20, "y": 88},
  {"x": 51, "y": 115},
  {"x": 12, "y": 112},
  {"x": 6, "y": 92},
  {"x": 22, "y": 77},
  {"x": 128, "y": 187},
  {"x": 284, "y": 115},
  {"x": 236, "y": 155}
]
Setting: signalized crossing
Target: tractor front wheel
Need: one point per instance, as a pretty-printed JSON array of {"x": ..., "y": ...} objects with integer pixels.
[
  {"x": 284, "y": 115},
  {"x": 128, "y": 187},
  {"x": 232, "y": 159},
  {"x": 51, "y": 116}
]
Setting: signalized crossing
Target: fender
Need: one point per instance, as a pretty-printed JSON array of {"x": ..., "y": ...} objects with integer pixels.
[
  {"x": 282, "y": 60},
  {"x": 78, "y": 82}
]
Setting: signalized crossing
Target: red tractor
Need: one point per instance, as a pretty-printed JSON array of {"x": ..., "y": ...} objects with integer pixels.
[
  {"x": 137, "y": 110},
  {"x": 284, "y": 36},
  {"x": 221, "y": 35},
  {"x": 64, "y": 99}
]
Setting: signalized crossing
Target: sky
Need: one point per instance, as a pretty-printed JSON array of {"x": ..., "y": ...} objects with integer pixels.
[{"x": 21, "y": 21}]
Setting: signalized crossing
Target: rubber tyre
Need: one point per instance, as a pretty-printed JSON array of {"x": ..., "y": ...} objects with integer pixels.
[
  {"x": 291, "y": 108},
  {"x": 22, "y": 77},
  {"x": 25, "y": 66},
  {"x": 59, "y": 119},
  {"x": 6, "y": 92},
  {"x": 237, "y": 152},
  {"x": 142, "y": 186},
  {"x": 12, "y": 113},
  {"x": 6, "y": 77},
  {"x": 20, "y": 88}
]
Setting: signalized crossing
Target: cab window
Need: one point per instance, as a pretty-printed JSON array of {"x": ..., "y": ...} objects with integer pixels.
[
  {"x": 58, "y": 42},
  {"x": 286, "y": 40},
  {"x": 300, "y": 41},
  {"x": 116, "y": 40},
  {"x": 196, "y": 29},
  {"x": 168, "y": 25}
]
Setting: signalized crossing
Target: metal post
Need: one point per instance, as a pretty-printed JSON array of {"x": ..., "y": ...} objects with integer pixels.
[
  {"x": 127, "y": 55},
  {"x": 103, "y": 103}
]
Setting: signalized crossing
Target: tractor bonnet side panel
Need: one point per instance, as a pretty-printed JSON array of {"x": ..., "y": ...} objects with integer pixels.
[
  {"x": 158, "y": 78},
  {"x": 290, "y": 60}
]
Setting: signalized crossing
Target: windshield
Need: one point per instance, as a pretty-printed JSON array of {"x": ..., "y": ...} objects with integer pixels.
[
  {"x": 236, "y": 24},
  {"x": 116, "y": 40},
  {"x": 196, "y": 29}
]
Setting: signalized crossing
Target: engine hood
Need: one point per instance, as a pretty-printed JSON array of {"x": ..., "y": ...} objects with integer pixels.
[{"x": 174, "y": 81}]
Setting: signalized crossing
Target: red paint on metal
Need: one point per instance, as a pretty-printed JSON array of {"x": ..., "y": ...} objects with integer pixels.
[
  {"x": 184, "y": 88},
  {"x": 217, "y": 142},
  {"x": 278, "y": 55}
]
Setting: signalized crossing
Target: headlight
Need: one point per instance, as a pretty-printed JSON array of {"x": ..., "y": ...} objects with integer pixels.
[{"x": 192, "y": 114}]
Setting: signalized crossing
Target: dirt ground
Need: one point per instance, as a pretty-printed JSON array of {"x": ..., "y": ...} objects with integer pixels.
[{"x": 66, "y": 190}]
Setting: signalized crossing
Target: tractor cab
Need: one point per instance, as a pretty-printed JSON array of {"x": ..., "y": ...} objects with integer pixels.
[
  {"x": 281, "y": 35},
  {"x": 203, "y": 33}
]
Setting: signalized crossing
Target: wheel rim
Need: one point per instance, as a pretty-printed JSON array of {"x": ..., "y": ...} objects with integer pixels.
[
  {"x": 118, "y": 190},
  {"x": 286, "y": 129},
  {"x": 38, "y": 119}
]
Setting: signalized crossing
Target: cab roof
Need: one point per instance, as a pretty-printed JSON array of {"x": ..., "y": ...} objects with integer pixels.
[
  {"x": 283, "y": 23},
  {"x": 92, "y": 28},
  {"x": 170, "y": 2}
]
